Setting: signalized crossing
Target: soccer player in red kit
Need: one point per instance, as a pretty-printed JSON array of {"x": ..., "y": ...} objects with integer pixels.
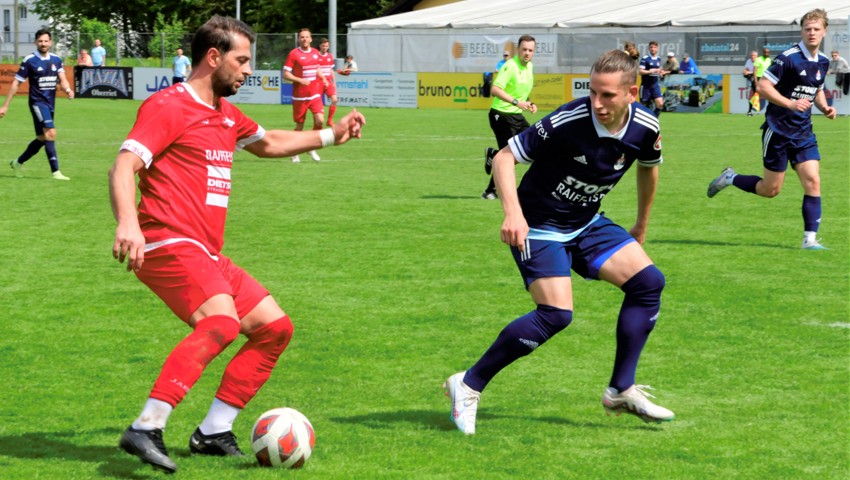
[
  {"x": 181, "y": 147},
  {"x": 326, "y": 65},
  {"x": 302, "y": 69}
]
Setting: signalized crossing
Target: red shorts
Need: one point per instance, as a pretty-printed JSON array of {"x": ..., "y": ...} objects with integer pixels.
[
  {"x": 330, "y": 90},
  {"x": 300, "y": 108},
  {"x": 184, "y": 276}
]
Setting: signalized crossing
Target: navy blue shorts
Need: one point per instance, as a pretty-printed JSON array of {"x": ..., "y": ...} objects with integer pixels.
[
  {"x": 585, "y": 253},
  {"x": 42, "y": 117},
  {"x": 777, "y": 150},
  {"x": 649, "y": 93}
]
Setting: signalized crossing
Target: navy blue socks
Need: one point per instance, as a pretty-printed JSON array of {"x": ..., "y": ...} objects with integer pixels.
[{"x": 516, "y": 340}]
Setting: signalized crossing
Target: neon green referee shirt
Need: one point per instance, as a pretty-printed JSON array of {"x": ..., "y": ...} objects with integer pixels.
[{"x": 516, "y": 81}]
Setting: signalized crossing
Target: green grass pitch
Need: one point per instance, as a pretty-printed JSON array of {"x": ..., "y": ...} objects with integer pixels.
[{"x": 390, "y": 265}]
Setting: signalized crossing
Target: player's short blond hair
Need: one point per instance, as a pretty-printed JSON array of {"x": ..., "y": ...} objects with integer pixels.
[{"x": 815, "y": 15}]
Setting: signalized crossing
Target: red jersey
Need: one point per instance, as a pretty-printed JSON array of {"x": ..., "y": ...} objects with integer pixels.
[
  {"x": 326, "y": 64},
  {"x": 187, "y": 147},
  {"x": 304, "y": 65}
]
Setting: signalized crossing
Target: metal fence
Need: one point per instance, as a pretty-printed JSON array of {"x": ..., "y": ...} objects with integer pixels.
[{"x": 138, "y": 49}]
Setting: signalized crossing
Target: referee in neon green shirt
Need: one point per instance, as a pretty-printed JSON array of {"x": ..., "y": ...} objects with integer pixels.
[
  {"x": 510, "y": 92},
  {"x": 760, "y": 64}
]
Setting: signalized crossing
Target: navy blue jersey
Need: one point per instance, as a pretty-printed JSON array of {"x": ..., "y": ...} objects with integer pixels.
[
  {"x": 795, "y": 75},
  {"x": 649, "y": 62},
  {"x": 43, "y": 75},
  {"x": 575, "y": 162}
]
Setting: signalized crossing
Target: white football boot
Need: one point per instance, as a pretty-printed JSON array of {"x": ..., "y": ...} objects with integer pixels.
[
  {"x": 721, "y": 182},
  {"x": 464, "y": 403},
  {"x": 634, "y": 401},
  {"x": 315, "y": 156}
]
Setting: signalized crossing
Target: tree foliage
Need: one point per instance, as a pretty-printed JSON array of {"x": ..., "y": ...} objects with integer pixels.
[{"x": 265, "y": 16}]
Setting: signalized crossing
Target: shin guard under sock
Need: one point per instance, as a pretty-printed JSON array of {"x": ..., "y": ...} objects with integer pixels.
[
  {"x": 31, "y": 150},
  {"x": 187, "y": 361},
  {"x": 638, "y": 315},
  {"x": 50, "y": 150},
  {"x": 516, "y": 340},
  {"x": 252, "y": 365}
]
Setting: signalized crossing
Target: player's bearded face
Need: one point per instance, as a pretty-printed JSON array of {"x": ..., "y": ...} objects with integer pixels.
[
  {"x": 43, "y": 43},
  {"x": 234, "y": 67}
]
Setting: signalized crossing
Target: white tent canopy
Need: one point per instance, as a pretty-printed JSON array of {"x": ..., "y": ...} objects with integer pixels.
[
  {"x": 469, "y": 36},
  {"x": 528, "y": 14}
]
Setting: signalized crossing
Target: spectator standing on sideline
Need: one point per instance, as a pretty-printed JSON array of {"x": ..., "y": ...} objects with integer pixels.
[
  {"x": 98, "y": 54},
  {"x": 650, "y": 80},
  {"x": 181, "y": 66},
  {"x": 84, "y": 59},
  {"x": 506, "y": 55},
  {"x": 511, "y": 89},
  {"x": 552, "y": 224},
  {"x": 489, "y": 76},
  {"x": 302, "y": 69},
  {"x": 350, "y": 64},
  {"x": 181, "y": 147},
  {"x": 688, "y": 66},
  {"x": 326, "y": 63},
  {"x": 750, "y": 75},
  {"x": 671, "y": 65},
  {"x": 792, "y": 84},
  {"x": 762, "y": 63},
  {"x": 43, "y": 70},
  {"x": 838, "y": 66},
  {"x": 631, "y": 49}
]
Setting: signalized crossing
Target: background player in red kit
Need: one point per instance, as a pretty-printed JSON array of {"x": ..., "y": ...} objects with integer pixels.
[
  {"x": 181, "y": 147},
  {"x": 326, "y": 66},
  {"x": 302, "y": 69}
]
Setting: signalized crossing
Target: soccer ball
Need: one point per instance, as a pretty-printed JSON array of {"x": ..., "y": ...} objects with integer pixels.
[{"x": 283, "y": 437}]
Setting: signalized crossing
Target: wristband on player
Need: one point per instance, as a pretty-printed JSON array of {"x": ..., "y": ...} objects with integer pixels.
[
  {"x": 327, "y": 136},
  {"x": 515, "y": 102}
]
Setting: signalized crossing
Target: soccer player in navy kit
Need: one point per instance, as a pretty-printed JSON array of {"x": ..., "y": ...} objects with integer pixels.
[
  {"x": 792, "y": 84},
  {"x": 43, "y": 70},
  {"x": 650, "y": 79},
  {"x": 552, "y": 222}
]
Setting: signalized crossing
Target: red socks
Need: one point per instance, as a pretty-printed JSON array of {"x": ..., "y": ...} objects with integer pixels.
[
  {"x": 252, "y": 365},
  {"x": 187, "y": 361}
]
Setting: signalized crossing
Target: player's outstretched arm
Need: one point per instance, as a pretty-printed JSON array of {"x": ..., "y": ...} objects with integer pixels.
[
  {"x": 285, "y": 143},
  {"x": 647, "y": 183},
  {"x": 129, "y": 240}
]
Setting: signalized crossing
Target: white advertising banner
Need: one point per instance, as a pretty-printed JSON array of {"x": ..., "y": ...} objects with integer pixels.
[
  {"x": 381, "y": 89},
  {"x": 481, "y": 52},
  {"x": 262, "y": 87},
  {"x": 149, "y": 81},
  {"x": 739, "y": 93}
]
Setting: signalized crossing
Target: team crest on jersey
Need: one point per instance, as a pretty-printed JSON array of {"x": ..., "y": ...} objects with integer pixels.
[
  {"x": 53, "y": 68},
  {"x": 817, "y": 76},
  {"x": 657, "y": 145},
  {"x": 621, "y": 162}
]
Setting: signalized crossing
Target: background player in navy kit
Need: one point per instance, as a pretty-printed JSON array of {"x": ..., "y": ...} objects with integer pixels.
[
  {"x": 43, "y": 70},
  {"x": 792, "y": 84},
  {"x": 552, "y": 222},
  {"x": 650, "y": 79}
]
